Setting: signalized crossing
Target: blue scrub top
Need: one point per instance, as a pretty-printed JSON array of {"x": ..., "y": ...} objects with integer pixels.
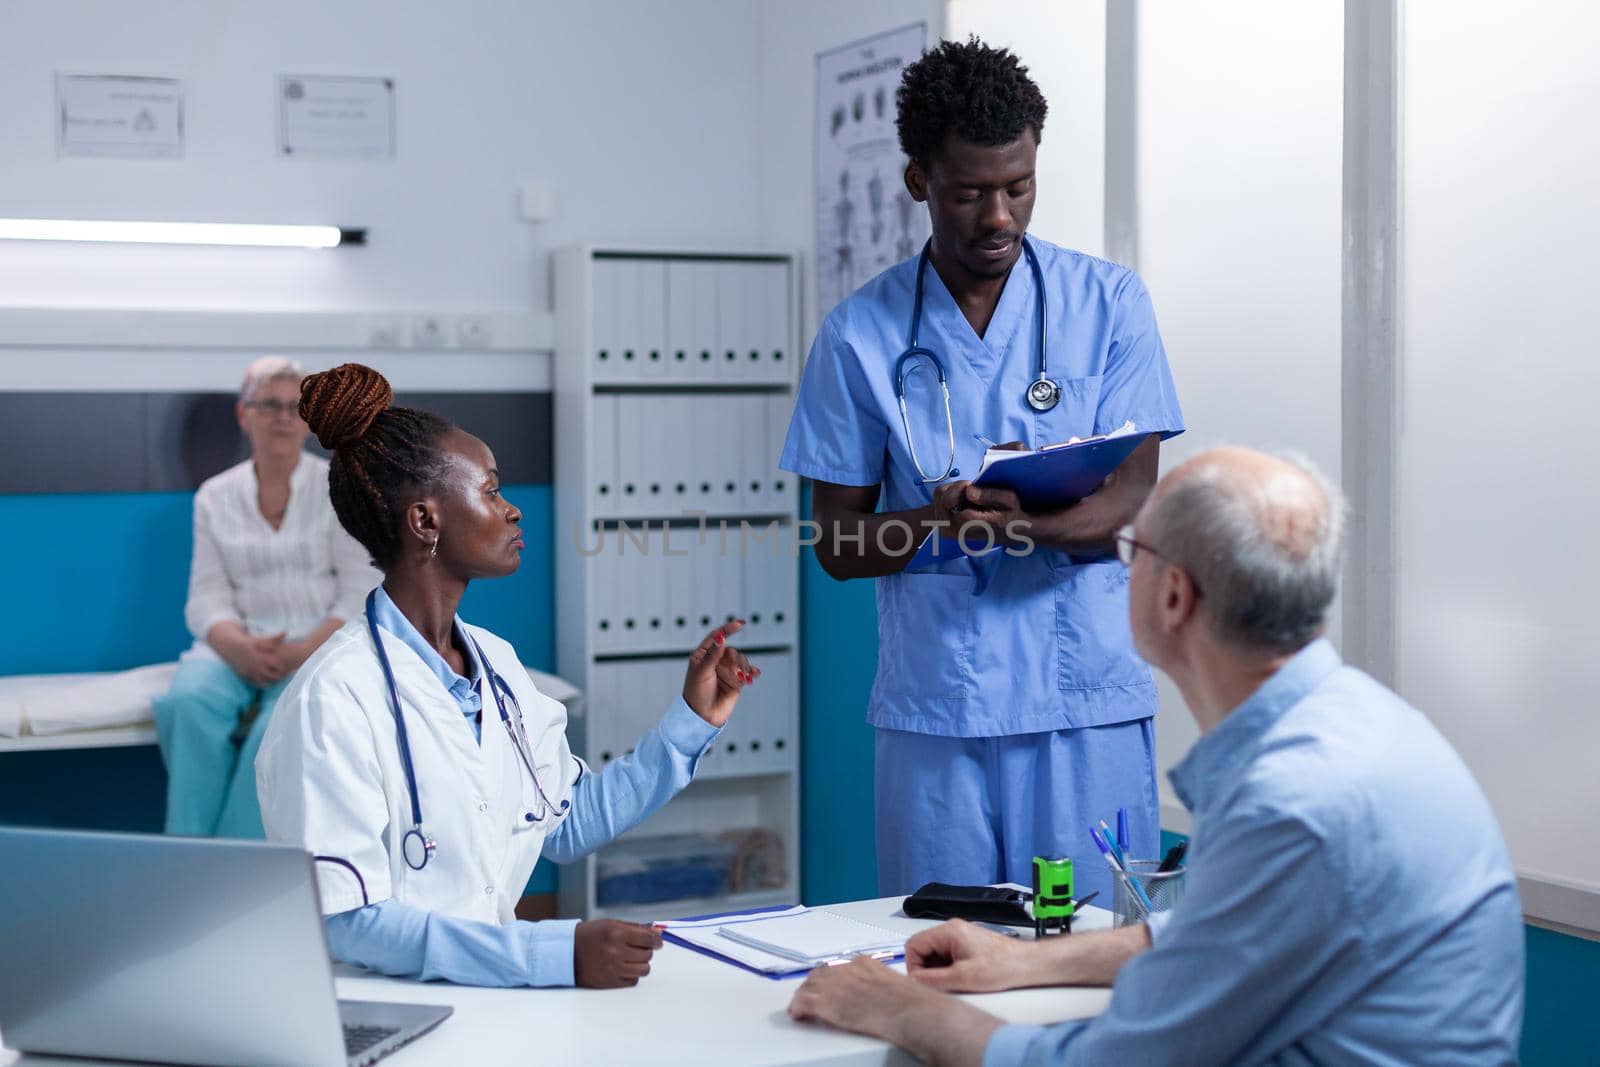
[{"x": 1000, "y": 644}]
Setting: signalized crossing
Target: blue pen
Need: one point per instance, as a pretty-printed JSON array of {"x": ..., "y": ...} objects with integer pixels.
[
  {"x": 1108, "y": 849},
  {"x": 984, "y": 441},
  {"x": 1122, "y": 829},
  {"x": 1116, "y": 850}
]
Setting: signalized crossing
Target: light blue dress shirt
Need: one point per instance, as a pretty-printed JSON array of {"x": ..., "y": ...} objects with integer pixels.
[
  {"x": 395, "y": 938},
  {"x": 1349, "y": 899},
  {"x": 996, "y": 645},
  {"x": 464, "y": 690}
]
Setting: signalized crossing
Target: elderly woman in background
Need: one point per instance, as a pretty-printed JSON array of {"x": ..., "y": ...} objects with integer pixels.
[{"x": 273, "y": 575}]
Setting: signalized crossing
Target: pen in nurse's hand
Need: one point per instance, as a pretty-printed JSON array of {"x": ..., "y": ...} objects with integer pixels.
[{"x": 984, "y": 441}]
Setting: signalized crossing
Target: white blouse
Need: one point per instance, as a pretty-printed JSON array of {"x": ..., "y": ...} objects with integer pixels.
[{"x": 272, "y": 581}]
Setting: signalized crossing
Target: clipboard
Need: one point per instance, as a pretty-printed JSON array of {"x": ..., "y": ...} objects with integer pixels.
[
  {"x": 1056, "y": 476},
  {"x": 1045, "y": 479},
  {"x": 781, "y": 971}
]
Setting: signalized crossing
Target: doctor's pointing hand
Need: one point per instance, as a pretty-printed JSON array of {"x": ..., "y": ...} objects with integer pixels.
[{"x": 716, "y": 674}]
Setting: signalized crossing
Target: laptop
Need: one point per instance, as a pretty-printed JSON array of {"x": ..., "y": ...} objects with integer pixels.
[{"x": 177, "y": 950}]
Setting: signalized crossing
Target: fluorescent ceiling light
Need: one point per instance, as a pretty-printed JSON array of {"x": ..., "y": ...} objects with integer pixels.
[{"x": 180, "y": 233}]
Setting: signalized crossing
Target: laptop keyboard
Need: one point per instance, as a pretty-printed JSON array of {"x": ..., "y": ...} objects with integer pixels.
[{"x": 357, "y": 1039}]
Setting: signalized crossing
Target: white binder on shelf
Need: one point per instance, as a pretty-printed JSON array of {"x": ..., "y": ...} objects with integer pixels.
[
  {"x": 625, "y": 363},
  {"x": 650, "y": 279},
  {"x": 634, "y": 447},
  {"x": 783, "y": 724},
  {"x": 603, "y": 458},
  {"x": 681, "y": 318},
  {"x": 732, "y": 334},
  {"x": 721, "y": 463},
  {"x": 654, "y": 477},
  {"x": 702, "y": 278},
  {"x": 776, "y": 355},
  {"x": 609, "y": 293},
  {"x": 605, "y": 627},
  {"x": 754, "y": 561},
  {"x": 750, "y": 444},
  {"x": 703, "y": 445},
  {"x": 758, "y": 321},
  {"x": 677, "y": 441},
  {"x": 601, "y": 718},
  {"x": 780, "y": 406},
  {"x": 686, "y": 628}
]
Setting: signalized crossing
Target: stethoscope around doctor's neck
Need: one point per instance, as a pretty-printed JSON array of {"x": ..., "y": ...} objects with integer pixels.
[
  {"x": 1042, "y": 393},
  {"x": 416, "y": 846}
]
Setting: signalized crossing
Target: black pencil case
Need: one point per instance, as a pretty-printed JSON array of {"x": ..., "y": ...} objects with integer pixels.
[{"x": 978, "y": 903}]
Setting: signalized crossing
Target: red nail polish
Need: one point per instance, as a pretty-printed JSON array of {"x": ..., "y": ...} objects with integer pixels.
[{"x": 719, "y": 637}]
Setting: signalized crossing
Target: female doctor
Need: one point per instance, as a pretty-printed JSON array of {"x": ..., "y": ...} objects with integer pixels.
[{"x": 412, "y": 756}]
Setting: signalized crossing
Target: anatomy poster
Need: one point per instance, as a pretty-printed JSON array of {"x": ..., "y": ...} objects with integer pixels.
[{"x": 866, "y": 221}]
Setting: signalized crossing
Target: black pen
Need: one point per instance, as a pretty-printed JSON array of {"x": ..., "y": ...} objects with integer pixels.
[{"x": 1174, "y": 856}]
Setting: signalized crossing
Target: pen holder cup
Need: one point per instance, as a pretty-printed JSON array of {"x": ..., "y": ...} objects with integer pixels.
[{"x": 1163, "y": 889}]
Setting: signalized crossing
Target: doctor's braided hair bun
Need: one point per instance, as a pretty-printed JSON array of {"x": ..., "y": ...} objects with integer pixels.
[
  {"x": 983, "y": 95},
  {"x": 382, "y": 454}
]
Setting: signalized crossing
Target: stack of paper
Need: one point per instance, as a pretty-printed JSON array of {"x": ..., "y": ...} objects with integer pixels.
[{"x": 815, "y": 937}]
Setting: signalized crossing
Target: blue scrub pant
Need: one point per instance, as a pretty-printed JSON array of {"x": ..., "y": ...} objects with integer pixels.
[
  {"x": 211, "y": 781},
  {"x": 976, "y": 810}
]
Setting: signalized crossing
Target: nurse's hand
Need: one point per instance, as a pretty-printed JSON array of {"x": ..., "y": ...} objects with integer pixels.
[
  {"x": 963, "y": 504},
  {"x": 611, "y": 954},
  {"x": 959, "y": 957},
  {"x": 717, "y": 674}
]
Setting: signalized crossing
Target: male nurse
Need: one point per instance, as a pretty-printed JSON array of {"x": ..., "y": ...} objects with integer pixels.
[{"x": 1010, "y": 709}]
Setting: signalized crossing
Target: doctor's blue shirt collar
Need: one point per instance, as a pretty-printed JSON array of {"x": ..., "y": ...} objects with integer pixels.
[
  {"x": 465, "y": 691},
  {"x": 1197, "y": 778}
]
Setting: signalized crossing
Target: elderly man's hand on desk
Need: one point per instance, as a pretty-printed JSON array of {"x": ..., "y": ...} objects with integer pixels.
[
  {"x": 959, "y": 957},
  {"x": 866, "y": 997}
]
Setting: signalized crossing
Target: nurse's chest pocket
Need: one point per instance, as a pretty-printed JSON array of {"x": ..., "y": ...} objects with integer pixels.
[{"x": 1074, "y": 415}]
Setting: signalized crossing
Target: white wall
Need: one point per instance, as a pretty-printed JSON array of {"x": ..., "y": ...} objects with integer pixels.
[
  {"x": 1239, "y": 148},
  {"x": 1498, "y": 519},
  {"x": 792, "y": 33},
  {"x": 640, "y": 116},
  {"x": 1063, "y": 44}
]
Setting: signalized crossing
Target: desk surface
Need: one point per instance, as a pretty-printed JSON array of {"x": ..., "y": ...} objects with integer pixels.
[{"x": 692, "y": 1009}]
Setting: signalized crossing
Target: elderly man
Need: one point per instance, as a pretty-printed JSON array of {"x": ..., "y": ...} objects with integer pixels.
[{"x": 1350, "y": 899}]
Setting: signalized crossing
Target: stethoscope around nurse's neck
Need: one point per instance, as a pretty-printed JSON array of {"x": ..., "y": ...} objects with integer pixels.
[
  {"x": 1042, "y": 394},
  {"x": 416, "y": 847}
]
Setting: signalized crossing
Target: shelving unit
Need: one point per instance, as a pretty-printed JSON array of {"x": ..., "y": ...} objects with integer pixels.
[{"x": 674, "y": 379}]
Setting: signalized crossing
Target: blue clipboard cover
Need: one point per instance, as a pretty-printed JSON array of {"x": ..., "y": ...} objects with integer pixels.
[{"x": 1056, "y": 476}]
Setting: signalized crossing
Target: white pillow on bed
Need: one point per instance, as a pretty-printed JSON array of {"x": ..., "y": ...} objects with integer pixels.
[{"x": 62, "y": 703}]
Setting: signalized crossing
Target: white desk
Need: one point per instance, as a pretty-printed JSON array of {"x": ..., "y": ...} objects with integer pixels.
[{"x": 692, "y": 1009}]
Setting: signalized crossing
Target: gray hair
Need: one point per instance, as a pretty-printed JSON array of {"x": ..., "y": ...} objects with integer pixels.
[
  {"x": 269, "y": 369},
  {"x": 1265, "y": 552}
]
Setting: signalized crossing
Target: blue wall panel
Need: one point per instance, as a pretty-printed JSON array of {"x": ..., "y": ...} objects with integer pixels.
[
  {"x": 839, "y": 855},
  {"x": 97, "y": 582},
  {"x": 93, "y": 582}
]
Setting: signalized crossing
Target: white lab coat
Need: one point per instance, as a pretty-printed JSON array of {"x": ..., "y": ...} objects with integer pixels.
[{"x": 330, "y": 778}]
